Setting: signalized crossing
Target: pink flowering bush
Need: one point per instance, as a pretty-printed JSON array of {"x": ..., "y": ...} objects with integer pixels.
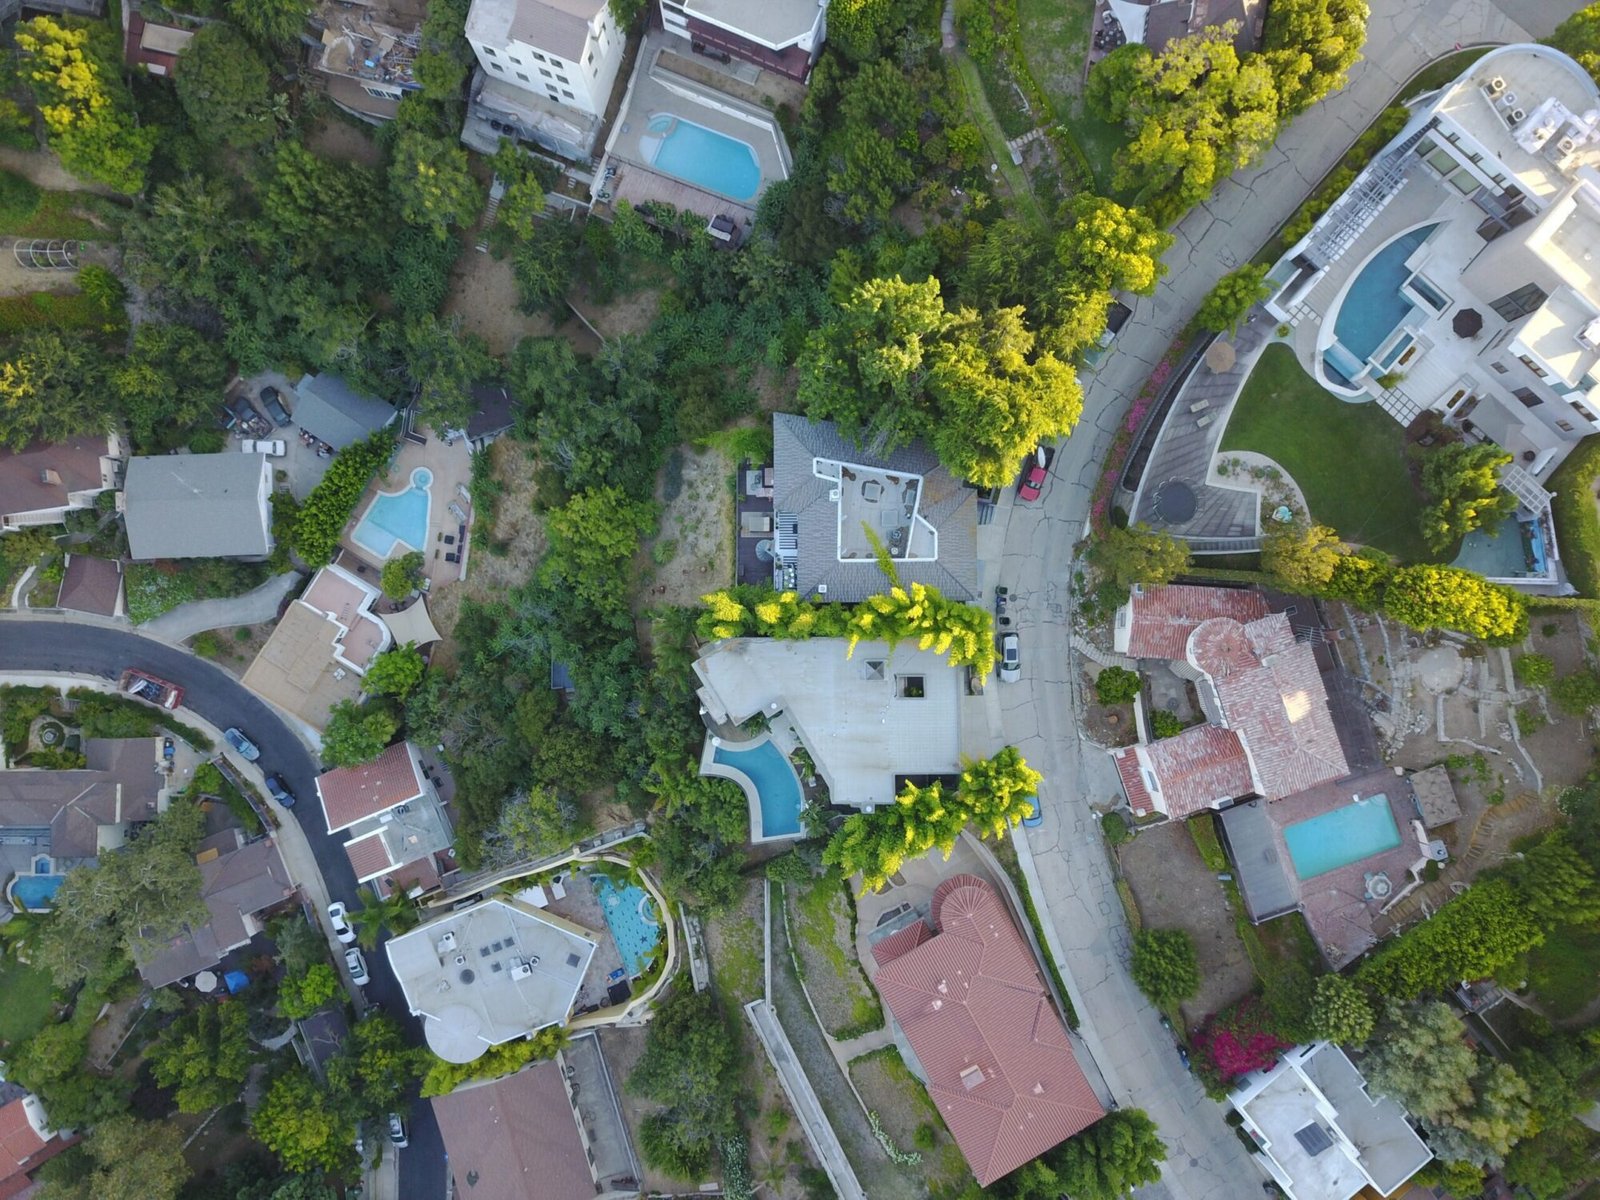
[
  {"x": 1234, "y": 1042},
  {"x": 1117, "y": 452}
]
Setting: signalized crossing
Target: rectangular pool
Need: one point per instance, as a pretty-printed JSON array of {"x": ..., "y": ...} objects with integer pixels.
[
  {"x": 1345, "y": 835},
  {"x": 701, "y": 156}
]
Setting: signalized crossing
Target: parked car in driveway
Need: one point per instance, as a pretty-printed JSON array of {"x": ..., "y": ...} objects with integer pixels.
[
  {"x": 1010, "y": 658},
  {"x": 341, "y": 923},
  {"x": 1033, "y": 477},
  {"x": 358, "y": 967},
  {"x": 272, "y": 401},
  {"x": 243, "y": 746},
  {"x": 271, "y": 447},
  {"x": 397, "y": 1131},
  {"x": 280, "y": 791}
]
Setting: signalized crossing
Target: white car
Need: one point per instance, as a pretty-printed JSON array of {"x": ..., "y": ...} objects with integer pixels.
[
  {"x": 358, "y": 967},
  {"x": 272, "y": 447},
  {"x": 1010, "y": 658},
  {"x": 397, "y": 1131},
  {"x": 340, "y": 923}
]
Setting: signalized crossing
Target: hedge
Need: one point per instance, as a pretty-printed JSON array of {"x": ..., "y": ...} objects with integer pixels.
[
  {"x": 1577, "y": 525},
  {"x": 326, "y": 510}
]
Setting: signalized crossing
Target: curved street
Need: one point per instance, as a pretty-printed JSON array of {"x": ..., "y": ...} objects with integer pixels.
[{"x": 63, "y": 647}]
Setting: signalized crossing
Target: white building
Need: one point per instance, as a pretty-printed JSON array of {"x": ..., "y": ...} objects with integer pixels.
[
  {"x": 1322, "y": 1137},
  {"x": 781, "y": 35},
  {"x": 1455, "y": 273},
  {"x": 566, "y": 51}
]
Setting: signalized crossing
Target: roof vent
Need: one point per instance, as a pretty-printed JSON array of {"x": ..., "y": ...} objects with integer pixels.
[
  {"x": 1313, "y": 1139},
  {"x": 1518, "y": 116},
  {"x": 1566, "y": 145},
  {"x": 50, "y": 476},
  {"x": 1509, "y": 99},
  {"x": 972, "y": 1077},
  {"x": 521, "y": 971}
]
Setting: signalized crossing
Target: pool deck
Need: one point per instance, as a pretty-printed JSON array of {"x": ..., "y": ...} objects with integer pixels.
[
  {"x": 656, "y": 88},
  {"x": 1343, "y": 923},
  {"x": 452, "y": 468}
]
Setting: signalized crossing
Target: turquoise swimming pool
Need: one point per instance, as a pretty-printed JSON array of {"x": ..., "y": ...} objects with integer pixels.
[
  {"x": 1375, "y": 305},
  {"x": 775, "y": 783},
  {"x": 397, "y": 518},
  {"x": 1342, "y": 836},
  {"x": 36, "y": 891},
  {"x": 701, "y": 156},
  {"x": 631, "y": 916}
]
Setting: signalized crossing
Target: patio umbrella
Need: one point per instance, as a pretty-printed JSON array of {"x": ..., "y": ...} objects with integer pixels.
[
  {"x": 1220, "y": 356},
  {"x": 1467, "y": 323}
]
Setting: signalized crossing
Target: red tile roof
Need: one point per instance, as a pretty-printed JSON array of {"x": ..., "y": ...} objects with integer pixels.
[
  {"x": 1163, "y": 617},
  {"x": 351, "y": 793},
  {"x": 997, "y": 1058},
  {"x": 900, "y": 942},
  {"x": 515, "y": 1138},
  {"x": 1132, "y": 782},
  {"x": 19, "y": 1142},
  {"x": 1196, "y": 769},
  {"x": 423, "y": 873},
  {"x": 368, "y": 856}
]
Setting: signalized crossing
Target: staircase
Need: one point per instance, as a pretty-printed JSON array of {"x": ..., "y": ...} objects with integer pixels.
[
  {"x": 496, "y": 190},
  {"x": 1360, "y": 206}
]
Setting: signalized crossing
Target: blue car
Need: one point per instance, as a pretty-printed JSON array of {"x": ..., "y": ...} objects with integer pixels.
[{"x": 1036, "y": 818}]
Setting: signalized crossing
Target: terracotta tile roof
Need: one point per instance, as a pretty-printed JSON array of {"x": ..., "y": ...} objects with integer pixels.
[
  {"x": 1202, "y": 765},
  {"x": 19, "y": 1142},
  {"x": 1132, "y": 782},
  {"x": 350, "y": 793},
  {"x": 1271, "y": 693},
  {"x": 900, "y": 942},
  {"x": 368, "y": 856},
  {"x": 423, "y": 873},
  {"x": 1164, "y": 617},
  {"x": 515, "y": 1138},
  {"x": 998, "y": 1061}
]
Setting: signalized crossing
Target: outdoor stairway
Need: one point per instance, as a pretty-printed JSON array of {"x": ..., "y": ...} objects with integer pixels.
[
  {"x": 496, "y": 190},
  {"x": 1359, "y": 207}
]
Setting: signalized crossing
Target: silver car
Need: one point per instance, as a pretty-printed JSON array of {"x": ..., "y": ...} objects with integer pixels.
[
  {"x": 1010, "y": 658},
  {"x": 358, "y": 967}
]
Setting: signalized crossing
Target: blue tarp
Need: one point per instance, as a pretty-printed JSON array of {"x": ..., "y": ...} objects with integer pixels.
[{"x": 237, "y": 981}]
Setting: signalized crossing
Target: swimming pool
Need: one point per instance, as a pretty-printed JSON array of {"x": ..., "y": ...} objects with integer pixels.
[
  {"x": 1342, "y": 836},
  {"x": 631, "y": 917},
  {"x": 35, "y": 893},
  {"x": 397, "y": 518},
  {"x": 1374, "y": 305},
  {"x": 701, "y": 156},
  {"x": 776, "y": 785},
  {"x": 1513, "y": 549}
]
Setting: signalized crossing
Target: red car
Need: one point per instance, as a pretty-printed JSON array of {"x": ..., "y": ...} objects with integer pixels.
[
  {"x": 152, "y": 689},
  {"x": 1032, "y": 482}
]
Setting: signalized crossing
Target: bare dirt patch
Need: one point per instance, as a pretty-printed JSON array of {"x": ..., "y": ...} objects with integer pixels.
[
  {"x": 692, "y": 553},
  {"x": 483, "y": 293},
  {"x": 341, "y": 140},
  {"x": 889, "y": 1089},
  {"x": 632, "y": 313},
  {"x": 820, "y": 922},
  {"x": 1176, "y": 890},
  {"x": 1105, "y": 724}
]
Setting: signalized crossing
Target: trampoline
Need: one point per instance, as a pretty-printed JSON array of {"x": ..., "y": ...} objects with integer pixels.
[{"x": 1175, "y": 502}]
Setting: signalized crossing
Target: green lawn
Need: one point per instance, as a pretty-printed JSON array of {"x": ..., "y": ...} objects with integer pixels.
[
  {"x": 1562, "y": 971},
  {"x": 1055, "y": 39},
  {"x": 1026, "y": 204},
  {"x": 28, "y": 1001},
  {"x": 1348, "y": 459}
]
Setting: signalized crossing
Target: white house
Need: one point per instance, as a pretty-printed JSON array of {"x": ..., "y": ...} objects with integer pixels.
[
  {"x": 781, "y": 35},
  {"x": 566, "y": 51},
  {"x": 1322, "y": 1137}
]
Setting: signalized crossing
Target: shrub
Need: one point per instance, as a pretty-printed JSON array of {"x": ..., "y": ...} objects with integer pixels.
[
  {"x": 1471, "y": 937},
  {"x": 325, "y": 511},
  {"x": 1434, "y": 597},
  {"x": 1165, "y": 724},
  {"x": 926, "y": 1136},
  {"x": 1577, "y": 523},
  {"x": 1235, "y": 1042},
  {"x": 1117, "y": 685},
  {"x": 1535, "y": 670},
  {"x": 1115, "y": 828},
  {"x": 1164, "y": 965},
  {"x": 208, "y": 645},
  {"x": 401, "y": 575},
  {"x": 1576, "y": 694}
]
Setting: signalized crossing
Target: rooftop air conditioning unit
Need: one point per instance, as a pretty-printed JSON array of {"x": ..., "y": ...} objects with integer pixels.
[
  {"x": 1566, "y": 145},
  {"x": 1517, "y": 116},
  {"x": 1497, "y": 85},
  {"x": 521, "y": 970},
  {"x": 833, "y": 495}
]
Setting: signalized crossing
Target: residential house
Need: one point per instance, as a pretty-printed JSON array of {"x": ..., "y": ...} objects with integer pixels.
[
  {"x": 1452, "y": 276},
  {"x": 987, "y": 1041},
  {"x": 494, "y": 412},
  {"x": 778, "y": 35},
  {"x": 321, "y": 647},
  {"x": 11, "y": 9},
  {"x": 1269, "y": 730},
  {"x": 361, "y": 53},
  {"x": 91, "y": 585},
  {"x": 320, "y": 1038},
  {"x": 489, "y": 974},
  {"x": 240, "y": 883},
  {"x": 552, "y": 1129},
  {"x": 1157, "y": 22},
  {"x": 198, "y": 506},
  {"x": 42, "y": 483},
  {"x": 394, "y": 819},
  {"x": 149, "y": 43},
  {"x": 1322, "y": 1136},
  {"x": 27, "y": 1141},
  {"x": 75, "y": 816},
  {"x": 567, "y": 52},
  {"x": 332, "y": 411},
  {"x": 827, "y": 493}
]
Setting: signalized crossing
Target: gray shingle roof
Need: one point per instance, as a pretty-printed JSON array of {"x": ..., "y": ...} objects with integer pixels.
[
  {"x": 328, "y": 407},
  {"x": 947, "y": 504},
  {"x": 198, "y": 506}
]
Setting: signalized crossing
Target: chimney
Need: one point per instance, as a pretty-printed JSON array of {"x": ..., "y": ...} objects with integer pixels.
[{"x": 50, "y": 476}]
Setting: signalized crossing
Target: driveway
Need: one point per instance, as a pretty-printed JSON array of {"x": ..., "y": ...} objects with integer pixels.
[
  {"x": 70, "y": 648},
  {"x": 1065, "y": 859}
]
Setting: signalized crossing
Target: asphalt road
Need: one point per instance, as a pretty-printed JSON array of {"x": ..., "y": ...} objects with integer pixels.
[{"x": 65, "y": 648}]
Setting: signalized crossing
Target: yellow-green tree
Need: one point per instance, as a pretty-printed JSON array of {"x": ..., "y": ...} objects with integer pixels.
[{"x": 72, "y": 67}]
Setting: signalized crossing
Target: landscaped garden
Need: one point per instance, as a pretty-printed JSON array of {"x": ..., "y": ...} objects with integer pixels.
[
  {"x": 28, "y": 992},
  {"x": 1349, "y": 459}
]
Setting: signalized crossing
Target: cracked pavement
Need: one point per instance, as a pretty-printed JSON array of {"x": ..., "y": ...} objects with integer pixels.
[{"x": 1065, "y": 859}]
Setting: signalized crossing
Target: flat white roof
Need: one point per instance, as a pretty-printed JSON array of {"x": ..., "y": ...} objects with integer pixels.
[
  {"x": 491, "y": 973},
  {"x": 853, "y": 714}
]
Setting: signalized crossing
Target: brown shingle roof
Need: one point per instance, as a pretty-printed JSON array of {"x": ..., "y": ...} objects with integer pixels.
[
  {"x": 90, "y": 585},
  {"x": 42, "y": 475},
  {"x": 351, "y": 793},
  {"x": 515, "y": 1138},
  {"x": 1164, "y": 617},
  {"x": 18, "y": 1140},
  {"x": 997, "y": 1058}
]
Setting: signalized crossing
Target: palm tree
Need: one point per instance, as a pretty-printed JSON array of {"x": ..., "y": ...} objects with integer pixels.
[{"x": 395, "y": 913}]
